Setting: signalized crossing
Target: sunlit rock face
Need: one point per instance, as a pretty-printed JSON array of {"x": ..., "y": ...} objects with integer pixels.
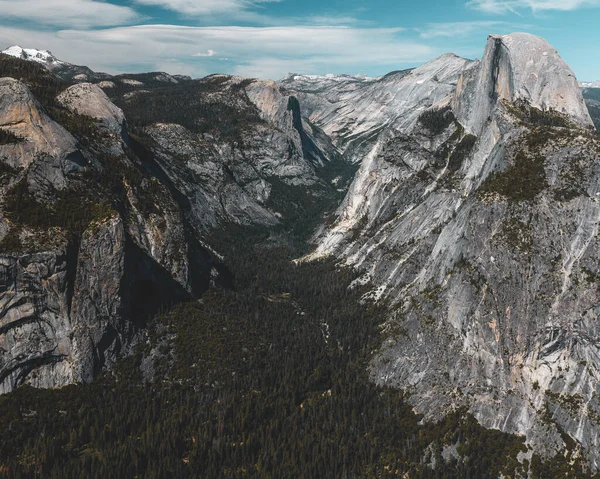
[
  {"x": 89, "y": 100},
  {"x": 518, "y": 67},
  {"x": 356, "y": 112},
  {"x": 479, "y": 224},
  {"x": 47, "y": 150}
]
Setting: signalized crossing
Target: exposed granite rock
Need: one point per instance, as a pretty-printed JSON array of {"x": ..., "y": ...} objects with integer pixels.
[
  {"x": 76, "y": 306},
  {"x": 355, "y": 113},
  {"x": 518, "y": 67},
  {"x": 487, "y": 248},
  {"x": 98, "y": 329},
  {"x": 89, "y": 100},
  {"x": 34, "y": 325},
  {"x": 47, "y": 148},
  {"x": 230, "y": 180}
]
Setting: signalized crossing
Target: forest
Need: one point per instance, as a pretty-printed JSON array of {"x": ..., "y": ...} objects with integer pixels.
[{"x": 266, "y": 379}]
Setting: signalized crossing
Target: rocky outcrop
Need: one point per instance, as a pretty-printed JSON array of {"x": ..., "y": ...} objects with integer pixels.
[
  {"x": 71, "y": 313},
  {"x": 98, "y": 329},
  {"x": 89, "y": 100},
  {"x": 480, "y": 226},
  {"x": 46, "y": 148},
  {"x": 219, "y": 185},
  {"x": 356, "y": 113},
  {"x": 231, "y": 179},
  {"x": 73, "y": 301},
  {"x": 518, "y": 67},
  {"x": 34, "y": 325}
]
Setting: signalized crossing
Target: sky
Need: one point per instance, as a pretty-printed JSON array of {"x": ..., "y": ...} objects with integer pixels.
[{"x": 271, "y": 38}]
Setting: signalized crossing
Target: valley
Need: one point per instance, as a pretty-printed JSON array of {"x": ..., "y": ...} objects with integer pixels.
[{"x": 390, "y": 277}]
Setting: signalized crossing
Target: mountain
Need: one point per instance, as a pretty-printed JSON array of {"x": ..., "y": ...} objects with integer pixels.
[
  {"x": 357, "y": 113},
  {"x": 43, "y": 57},
  {"x": 389, "y": 276},
  {"x": 63, "y": 70},
  {"x": 592, "y": 100},
  {"x": 589, "y": 84},
  {"x": 108, "y": 214},
  {"x": 479, "y": 223},
  {"x": 68, "y": 72}
]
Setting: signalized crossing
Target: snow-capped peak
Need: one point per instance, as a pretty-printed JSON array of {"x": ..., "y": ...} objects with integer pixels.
[
  {"x": 331, "y": 77},
  {"x": 589, "y": 84},
  {"x": 31, "y": 54}
]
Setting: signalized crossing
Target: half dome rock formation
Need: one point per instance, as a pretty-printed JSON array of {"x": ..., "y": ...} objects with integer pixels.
[
  {"x": 480, "y": 226},
  {"x": 518, "y": 67}
]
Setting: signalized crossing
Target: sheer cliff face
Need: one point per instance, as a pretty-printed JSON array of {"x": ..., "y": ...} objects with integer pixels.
[
  {"x": 518, "y": 67},
  {"x": 74, "y": 302},
  {"x": 355, "y": 113},
  {"x": 481, "y": 229}
]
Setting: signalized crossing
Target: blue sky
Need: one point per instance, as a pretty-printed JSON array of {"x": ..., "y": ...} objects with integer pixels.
[{"x": 269, "y": 38}]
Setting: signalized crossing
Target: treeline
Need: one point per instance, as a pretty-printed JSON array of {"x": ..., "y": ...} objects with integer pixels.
[{"x": 7, "y": 137}]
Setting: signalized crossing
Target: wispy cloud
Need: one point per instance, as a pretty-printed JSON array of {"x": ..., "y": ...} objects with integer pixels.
[
  {"x": 332, "y": 20},
  {"x": 209, "y": 53},
  {"x": 266, "y": 52},
  {"x": 514, "y": 6},
  {"x": 207, "y": 7},
  {"x": 457, "y": 29},
  {"x": 67, "y": 13}
]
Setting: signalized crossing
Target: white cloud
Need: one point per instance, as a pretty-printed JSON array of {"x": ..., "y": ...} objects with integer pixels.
[
  {"x": 209, "y": 53},
  {"x": 206, "y": 7},
  {"x": 266, "y": 52},
  {"x": 332, "y": 20},
  {"x": 67, "y": 13},
  {"x": 457, "y": 29},
  {"x": 504, "y": 6}
]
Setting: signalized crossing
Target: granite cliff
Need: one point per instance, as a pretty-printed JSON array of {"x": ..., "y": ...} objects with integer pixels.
[{"x": 479, "y": 223}]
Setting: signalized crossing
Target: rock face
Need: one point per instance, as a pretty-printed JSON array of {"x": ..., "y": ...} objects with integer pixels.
[
  {"x": 229, "y": 176},
  {"x": 480, "y": 225},
  {"x": 47, "y": 149},
  {"x": 34, "y": 334},
  {"x": 76, "y": 293},
  {"x": 518, "y": 67},
  {"x": 89, "y": 100},
  {"x": 356, "y": 112}
]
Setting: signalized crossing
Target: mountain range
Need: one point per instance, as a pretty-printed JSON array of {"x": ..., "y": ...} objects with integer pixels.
[{"x": 462, "y": 198}]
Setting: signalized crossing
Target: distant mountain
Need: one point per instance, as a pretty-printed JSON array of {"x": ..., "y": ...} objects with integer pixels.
[
  {"x": 79, "y": 74},
  {"x": 587, "y": 84},
  {"x": 31, "y": 54},
  {"x": 63, "y": 70}
]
